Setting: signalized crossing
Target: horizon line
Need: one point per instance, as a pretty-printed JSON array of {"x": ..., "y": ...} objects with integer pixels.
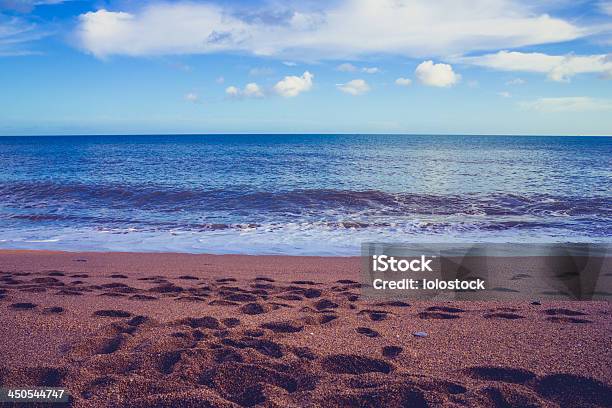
[{"x": 304, "y": 134}]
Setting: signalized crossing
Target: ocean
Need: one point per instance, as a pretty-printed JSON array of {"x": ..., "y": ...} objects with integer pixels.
[{"x": 300, "y": 194}]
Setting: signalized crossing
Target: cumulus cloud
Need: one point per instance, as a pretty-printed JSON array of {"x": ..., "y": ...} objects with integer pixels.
[
  {"x": 403, "y": 81},
  {"x": 505, "y": 94},
  {"x": 292, "y": 86},
  {"x": 354, "y": 87},
  {"x": 251, "y": 90},
  {"x": 192, "y": 97},
  {"x": 341, "y": 29},
  {"x": 232, "y": 91},
  {"x": 440, "y": 75},
  {"x": 568, "y": 104},
  {"x": 557, "y": 67}
]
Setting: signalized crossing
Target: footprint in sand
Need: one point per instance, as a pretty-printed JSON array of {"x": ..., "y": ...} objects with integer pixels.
[
  {"x": 446, "y": 309},
  {"x": 503, "y": 315},
  {"x": 283, "y": 327},
  {"x": 563, "y": 312},
  {"x": 68, "y": 292},
  {"x": 304, "y": 282},
  {"x": 265, "y": 347},
  {"x": 48, "y": 281},
  {"x": 188, "y": 277},
  {"x": 502, "y": 374},
  {"x": 326, "y": 318},
  {"x": 231, "y": 322},
  {"x": 303, "y": 353},
  {"x": 325, "y": 304},
  {"x": 221, "y": 302},
  {"x": 240, "y": 297},
  {"x": 264, "y": 279},
  {"x": 226, "y": 280},
  {"x": 53, "y": 310},
  {"x": 366, "y": 331},
  {"x": 166, "y": 288},
  {"x": 227, "y": 355},
  {"x": 23, "y": 306},
  {"x": 565, "y": 319},
  {"x": 570, "y": 390},
  {"x": 252, "y": 309},
  {"x": 112, "y": 313},
  {"x": 143, "y": 297},
  {"x": 354, "y": 364},
  {"x": 56, "y": 273},
  {"x": 207, "y": 322},
  {"x": 97, "y": 386},
  {"x": 248, "y": 384},
  {"x": 391, "y": 351},
  {"x": 265, "y": 286},
  {"x": 392, "y": 303},
  {"x": 290, "y": 297},
  {"x": 437, "y": 315}
]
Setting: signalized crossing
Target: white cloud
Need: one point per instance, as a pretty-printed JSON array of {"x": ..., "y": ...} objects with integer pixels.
[
  {"x": 403, "y": 81},
  {"x": 292, "y": 86},
  {"x": 370, "y": 70},
  {"x": 289, "y": 63},
  {"x": 346, "y": 67},
  {"x": 568, "y": 104},
  {"x": 251, "y": 90},
  {"x": 341, "y": 29},
  {"x": 15, "y": 35},
  {"x": 192, "y": 97},
  {"x": 556, "y": 67},
  {"x": 261, "y": 71},
  {"x": 232, "y": 91},
  {"x": 516, "y": 81},
  {"x": 220, "y": 80},
  {"x": 440, "y": 75},
  {"x": 606, "y": 7},
  {"x": 24, "y": 6},
  {"x": 505, "y": 94},
  {"x": 354, "y": 87}
]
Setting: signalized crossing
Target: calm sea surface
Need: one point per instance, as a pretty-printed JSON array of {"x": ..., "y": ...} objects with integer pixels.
[{"x": 300, "y": 194}]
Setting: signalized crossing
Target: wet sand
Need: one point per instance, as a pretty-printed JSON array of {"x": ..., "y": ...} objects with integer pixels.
[{"x": 177, "y": 330}]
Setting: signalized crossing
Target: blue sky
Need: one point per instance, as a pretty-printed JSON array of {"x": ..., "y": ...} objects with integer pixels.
[{"x": 339, "y": 66}]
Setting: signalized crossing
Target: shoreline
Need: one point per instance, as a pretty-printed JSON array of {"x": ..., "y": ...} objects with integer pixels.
[{"x": 168, "y": 329}]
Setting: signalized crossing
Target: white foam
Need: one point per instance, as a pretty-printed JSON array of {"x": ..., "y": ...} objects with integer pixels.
[{"x": 290, "y": 239}]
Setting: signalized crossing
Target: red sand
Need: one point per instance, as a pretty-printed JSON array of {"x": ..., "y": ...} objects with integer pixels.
[{"x": 177, "y": 330}]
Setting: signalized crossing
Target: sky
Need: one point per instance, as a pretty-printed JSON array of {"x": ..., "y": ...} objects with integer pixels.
[{"x": 334, "y": 66}]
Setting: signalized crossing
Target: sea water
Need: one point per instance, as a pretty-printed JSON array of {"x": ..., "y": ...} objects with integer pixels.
[{"x": 300, "y": 194}]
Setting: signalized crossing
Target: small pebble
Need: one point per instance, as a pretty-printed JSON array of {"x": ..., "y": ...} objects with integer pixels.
[
  {"x": 419, "y": 334},
  {"x": 536, "y": 303}
]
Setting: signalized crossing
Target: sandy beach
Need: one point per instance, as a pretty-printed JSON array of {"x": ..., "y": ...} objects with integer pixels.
[{"x": 170, "y": 330}]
